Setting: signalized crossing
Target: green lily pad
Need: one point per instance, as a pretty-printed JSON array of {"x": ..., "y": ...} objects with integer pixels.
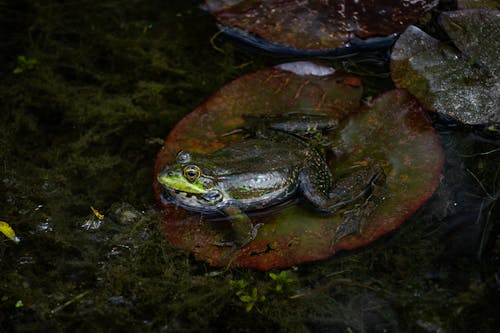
[
  {"x": 393, "y": 132},
  {"x": 318, "y": 24},
  {"x": 463, "y": 81}
]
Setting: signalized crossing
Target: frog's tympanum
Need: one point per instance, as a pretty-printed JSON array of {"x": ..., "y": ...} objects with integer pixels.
[{"x": 269, "y": 168}]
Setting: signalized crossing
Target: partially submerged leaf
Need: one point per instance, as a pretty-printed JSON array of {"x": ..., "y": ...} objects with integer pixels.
[
  {"x": 318, "y": 24},
  {"x": 394, "y": 132},
  {"x": 465, "y": 85},
  {"x": 7, "y": 230}
]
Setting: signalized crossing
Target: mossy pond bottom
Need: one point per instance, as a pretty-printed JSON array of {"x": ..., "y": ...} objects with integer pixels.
[{"x": 88, "y": 92}]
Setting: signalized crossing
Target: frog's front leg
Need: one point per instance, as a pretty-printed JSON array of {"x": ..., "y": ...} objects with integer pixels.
[{"x": 243, "y": 231}]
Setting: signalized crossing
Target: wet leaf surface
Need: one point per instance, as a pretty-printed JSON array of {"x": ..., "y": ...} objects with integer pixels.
[
  {"x": 393, "y": 133},
  {"x": 463, "y": 83},
  {"x": 316, "y": 24}
]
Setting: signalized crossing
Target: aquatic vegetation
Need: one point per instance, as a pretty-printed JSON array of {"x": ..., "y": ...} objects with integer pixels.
[
  {"x": 251, "y": 293},
  {"x": 460, "y": 80},
  {"x": 249, "y": 298},
  {"x": 282, "y": 280},
  {"x": 24, "y": 64}
]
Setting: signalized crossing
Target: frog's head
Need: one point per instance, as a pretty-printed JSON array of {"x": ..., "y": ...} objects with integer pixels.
[{"x": 187, "y": 183}]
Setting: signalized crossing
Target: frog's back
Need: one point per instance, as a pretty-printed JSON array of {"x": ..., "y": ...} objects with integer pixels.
[{"x": 258, "y": 155}]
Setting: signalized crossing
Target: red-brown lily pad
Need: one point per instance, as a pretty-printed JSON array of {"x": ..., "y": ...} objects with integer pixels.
[
  {"x": 393, "y": 132},
  {"x": 318, "y": 24}
]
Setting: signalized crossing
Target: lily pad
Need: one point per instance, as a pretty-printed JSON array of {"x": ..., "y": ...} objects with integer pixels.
[
  {"x": 317, "y": 24},
  {"x": 393, "y": 132},
  {"x": 462, "y": 81}
]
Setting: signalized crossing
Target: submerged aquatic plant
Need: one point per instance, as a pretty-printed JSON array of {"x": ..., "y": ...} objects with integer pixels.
[
  {"x": 24, "y": 64},
  {"x": 249, "y": 298},
  {"x": 251, "y": 293},
  {"x": 282, "y": 280}
]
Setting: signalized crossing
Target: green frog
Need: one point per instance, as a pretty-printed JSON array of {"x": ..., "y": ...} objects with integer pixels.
[{"x": 271, "y": 166}]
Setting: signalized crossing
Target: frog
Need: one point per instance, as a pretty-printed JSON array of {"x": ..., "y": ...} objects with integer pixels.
[{"x": 274, "y": 163}]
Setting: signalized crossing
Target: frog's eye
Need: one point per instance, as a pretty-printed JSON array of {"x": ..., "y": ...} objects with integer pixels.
[
  {"x": 192, "y": 173},
  {"x": 183, "y": 157}
]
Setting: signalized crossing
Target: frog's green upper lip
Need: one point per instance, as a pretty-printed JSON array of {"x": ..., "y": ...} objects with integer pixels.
[{"x": 179, "y": 183}]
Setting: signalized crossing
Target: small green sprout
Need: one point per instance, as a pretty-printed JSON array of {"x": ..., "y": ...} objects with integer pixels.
[
  {"x": 19, "y": 304},
  {"x": 493, "y": 128},
  {"x": 281, "y": 280},
  {"x": 24, "y": 64},
  {"x": 250, "y": 299},
  {"x": 240, "y": 284}
]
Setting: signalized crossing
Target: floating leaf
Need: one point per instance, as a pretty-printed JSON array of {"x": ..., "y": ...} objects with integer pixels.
[
  {"x": 465, "y": 85},
  {"x": 97, "y": 213},
  {"x": 394, "y": 132},
  {"x": 7, "y": 230},
  {"x": 318, "y": 24}
]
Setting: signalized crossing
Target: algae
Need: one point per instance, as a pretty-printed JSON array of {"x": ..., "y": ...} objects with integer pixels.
[{"x": 81, "y": 129}]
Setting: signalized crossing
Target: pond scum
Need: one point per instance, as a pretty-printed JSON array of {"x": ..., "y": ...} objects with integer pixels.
[{"x": 88, "y": 91}]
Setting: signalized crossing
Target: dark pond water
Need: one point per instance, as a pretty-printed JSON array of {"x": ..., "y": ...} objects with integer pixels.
[{"x": 81, "y": 123}]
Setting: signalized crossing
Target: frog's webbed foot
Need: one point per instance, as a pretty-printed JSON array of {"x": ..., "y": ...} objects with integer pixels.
[
  {"x": 354, "y": 218},
  {"x": 243, "y": 231},
  {"x": 357, "y": 186}
]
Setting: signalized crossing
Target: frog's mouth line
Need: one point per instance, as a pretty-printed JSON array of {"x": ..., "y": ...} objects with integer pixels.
[
  {"x": 187, "y": 194},
  {"x": 200, "y": 197},
  {"x": 210, "y": 198}
]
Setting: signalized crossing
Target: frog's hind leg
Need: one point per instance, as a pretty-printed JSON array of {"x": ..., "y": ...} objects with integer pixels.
[
  {"x": 317, "y": 188},
  {"x": 357, "y": 190},
  {"x": 354, "y": 217}
]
